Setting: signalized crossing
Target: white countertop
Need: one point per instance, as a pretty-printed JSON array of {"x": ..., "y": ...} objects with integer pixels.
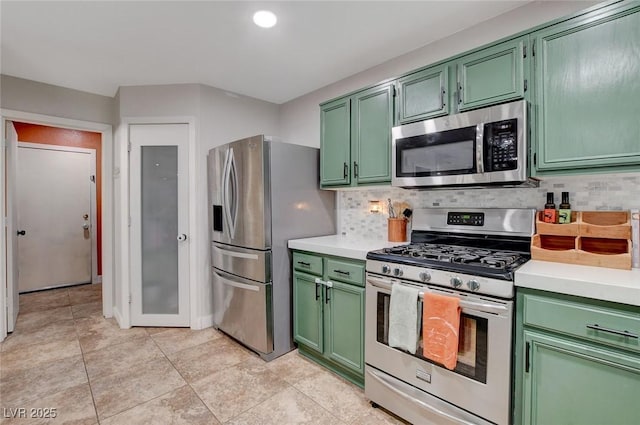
[
  {"x": 341, "y": 246},
  {"x": 621, "y": 286}
]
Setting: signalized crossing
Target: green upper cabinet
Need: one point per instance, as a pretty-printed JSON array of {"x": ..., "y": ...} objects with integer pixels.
[
  {"x": 355, "y": 138},
  {"x": 492, "y": 75},
  {"x": 423, "y": 94},
  {"x": 587, "y": 78},
  {"x": 335, "y": 136}
]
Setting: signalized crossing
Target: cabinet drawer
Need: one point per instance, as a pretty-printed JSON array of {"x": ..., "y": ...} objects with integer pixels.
[
  {"x": 307, "y": 263},
  {"x": 346, "y": 271},
  {"x": 607, "y": 326}
]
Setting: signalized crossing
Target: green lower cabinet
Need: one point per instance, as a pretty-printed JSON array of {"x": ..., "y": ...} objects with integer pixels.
[
  {"x": 573, "y": 383},
  {"x": 328, "y": 316},
  {"x": 307, "y": 312},
  {"x": 577, "y": 361},
  {"x": 345, "y": 328}
]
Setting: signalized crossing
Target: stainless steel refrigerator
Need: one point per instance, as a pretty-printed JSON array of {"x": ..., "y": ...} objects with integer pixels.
[{"x": 261, "y": 194}]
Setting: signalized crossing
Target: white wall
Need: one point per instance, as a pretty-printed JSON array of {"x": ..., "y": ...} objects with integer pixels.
[
  {"x": 300, "y": 118},
  {"x": 30, "y": 96}
]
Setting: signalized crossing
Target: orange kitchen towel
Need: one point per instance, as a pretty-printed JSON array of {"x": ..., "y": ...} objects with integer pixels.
[{"x": 440, "y": 329}]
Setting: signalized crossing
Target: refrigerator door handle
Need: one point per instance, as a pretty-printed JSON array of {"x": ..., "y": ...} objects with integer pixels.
[
  {"x": 233, "y": 179},
  {"x": 226, "y": 180}
]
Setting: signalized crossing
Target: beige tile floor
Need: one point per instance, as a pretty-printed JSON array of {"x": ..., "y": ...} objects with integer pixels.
[{"x": 65, "y": 356}]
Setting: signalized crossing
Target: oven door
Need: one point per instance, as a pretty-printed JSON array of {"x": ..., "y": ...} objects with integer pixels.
[{"x": 481, "y": 380}]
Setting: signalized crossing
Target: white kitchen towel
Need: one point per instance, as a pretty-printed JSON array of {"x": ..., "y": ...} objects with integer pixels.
[{"x": 403, "y": 318}]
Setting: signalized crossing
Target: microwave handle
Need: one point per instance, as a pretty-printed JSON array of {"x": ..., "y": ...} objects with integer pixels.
[{"x": 480, "y": 148}]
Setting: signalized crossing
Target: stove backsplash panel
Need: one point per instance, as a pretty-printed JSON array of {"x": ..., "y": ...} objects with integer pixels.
[{"x": 587, "y": 193}]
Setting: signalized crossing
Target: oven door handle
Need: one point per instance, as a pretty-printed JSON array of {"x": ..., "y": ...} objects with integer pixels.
[
  {"x": 485, "y": 307},
  {"x": 425, "y": 406}
]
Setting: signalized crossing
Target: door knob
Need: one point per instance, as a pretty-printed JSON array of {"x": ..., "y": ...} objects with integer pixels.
[
  {"x": 182, "y": 237},
  {"x": 85, "y": 226},
  {"x": 22, "y": 232}
]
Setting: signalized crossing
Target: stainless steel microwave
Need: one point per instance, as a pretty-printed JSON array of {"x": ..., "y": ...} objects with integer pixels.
[{"x": 487, "y": 146}]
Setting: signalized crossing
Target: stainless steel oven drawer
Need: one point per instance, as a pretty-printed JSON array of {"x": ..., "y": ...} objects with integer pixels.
[{"x": 414, "y": 405}]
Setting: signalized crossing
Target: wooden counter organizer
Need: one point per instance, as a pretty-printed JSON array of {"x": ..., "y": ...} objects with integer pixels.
[{"x": 592, "y": 238}]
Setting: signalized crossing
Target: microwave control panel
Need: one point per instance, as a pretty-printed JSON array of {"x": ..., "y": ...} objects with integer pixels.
[{"x": 501, "y": 145}]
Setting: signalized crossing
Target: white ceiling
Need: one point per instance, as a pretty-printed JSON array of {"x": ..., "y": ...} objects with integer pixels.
[{"x": 97, "y": 46}]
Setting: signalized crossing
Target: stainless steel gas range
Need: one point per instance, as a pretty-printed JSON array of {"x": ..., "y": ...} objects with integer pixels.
[{"x": 470, "y": 254}]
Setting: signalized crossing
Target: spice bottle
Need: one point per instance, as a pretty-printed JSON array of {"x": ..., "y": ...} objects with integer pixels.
[
  {"x": 549, "y": 213},
  {"x": 564, "y": 212}
]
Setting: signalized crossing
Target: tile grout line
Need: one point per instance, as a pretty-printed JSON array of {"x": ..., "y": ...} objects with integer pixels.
[
  {"x": 84, "y": 363},
  {"x": 183, "y": 378}
]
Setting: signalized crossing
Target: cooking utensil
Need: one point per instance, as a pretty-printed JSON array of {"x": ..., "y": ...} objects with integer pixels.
[{"x": 392, "y": 213}]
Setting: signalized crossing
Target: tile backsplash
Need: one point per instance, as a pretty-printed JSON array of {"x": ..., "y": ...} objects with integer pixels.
[{"x": 590, "y": 192}]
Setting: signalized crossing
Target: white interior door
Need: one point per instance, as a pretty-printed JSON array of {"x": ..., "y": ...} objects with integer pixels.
[
  {"x": 159, "y": 199},
  {"x": 54, "y": 190},
  {"x": 11, "y": 236}
]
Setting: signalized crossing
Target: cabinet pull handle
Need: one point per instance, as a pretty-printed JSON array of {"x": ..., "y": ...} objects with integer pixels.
[
  {"x": 526, "y": 358},
  {"x": 342, "y": 272},
  {"x": 355, "y": 169},
  {"x": 597, "y": 327},
  {"x": 327, "y": 297},
  {"x": 317, "y": 293},
  {"x": 302, "y": 263},
  {"x": 442, "y": 93},
  {"x": 345, "y": 170},
  {"x": 459, "y": 93}
]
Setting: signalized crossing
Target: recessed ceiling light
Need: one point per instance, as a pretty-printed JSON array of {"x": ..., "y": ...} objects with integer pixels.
[{"x": 264, "y": 18}]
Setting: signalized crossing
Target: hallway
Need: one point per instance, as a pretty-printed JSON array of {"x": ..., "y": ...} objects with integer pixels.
[{"x": 65, "y": 356}]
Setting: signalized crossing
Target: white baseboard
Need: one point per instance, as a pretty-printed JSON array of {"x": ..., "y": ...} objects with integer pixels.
[
  {"x": 203, "y": 322},
  {"x": 118, "y": 317}
]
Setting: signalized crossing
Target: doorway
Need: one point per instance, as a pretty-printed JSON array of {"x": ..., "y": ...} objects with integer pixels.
[
  {"x": 56, "y": 216},
  {"x": 8, "y": 239},
  {"x": 159, "y": 211}
]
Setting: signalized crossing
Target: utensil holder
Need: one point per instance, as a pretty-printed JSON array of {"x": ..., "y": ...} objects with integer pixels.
[{"x": 397, "y": 230}]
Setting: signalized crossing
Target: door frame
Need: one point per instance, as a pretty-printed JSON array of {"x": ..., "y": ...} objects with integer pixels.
[
  {"x": 123, "y": 315},
  {"x": 106, "y": 147},
  {"x": 92, "y": 209}
]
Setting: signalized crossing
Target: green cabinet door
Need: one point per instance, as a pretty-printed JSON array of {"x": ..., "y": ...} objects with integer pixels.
[
  {"x": 307, "y": 311},
  {"x": 335, "y": 142},
  {"x": 423, "y": 94},
  {"x": 492, "y": 75},
  {"x": 574, "y": 383},
  {"x": 371, "y": 122},
  {"x": 344, "y": 313},
  {"x": 587, "y": 74}
]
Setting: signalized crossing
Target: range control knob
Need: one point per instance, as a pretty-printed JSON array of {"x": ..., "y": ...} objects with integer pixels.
[
  {"x": 456, "y": 282},
  {"x": 386, "y": 269},
  {"x": 397, "y": 272},
  {"x": 474, "y": 285},
  {"x": 424, "y": 276}
]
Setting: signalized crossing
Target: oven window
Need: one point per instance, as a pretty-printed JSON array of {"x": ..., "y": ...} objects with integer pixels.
[
  {"x": 472, "y": 344},
  {"x": 437, "y": 154}
]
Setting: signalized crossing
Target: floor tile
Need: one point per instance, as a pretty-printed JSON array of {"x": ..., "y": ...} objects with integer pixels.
[
  {"x": 178, "y": 339},
  {"x": 23, "y": 385},
  {"x": 31, "y": 356},
  {"x": 197, "y": 362},
  {"x": 234, "y": 390},
  {"x": 292, "y": 367},
  {"x": 341, "y": 398},
  {"x": 44, "y": 300},
  {"x": 129, "y": 387},
  {"x": 87, "y": 310},
  {"x": 48, "y": 332},
  {"x": 287, "y": 407},
  {"x": 179, "y": 407},
  {"x": 85, "y": 294},
  {"x": 115, "y": 358},
  {"x": 36, "y": 319},
  {"x": 378, "y": 417},
  {"x": 97, "y": 333},
  {"x": 72, "y": 406},
  {"x": 153, "y": 330}
]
